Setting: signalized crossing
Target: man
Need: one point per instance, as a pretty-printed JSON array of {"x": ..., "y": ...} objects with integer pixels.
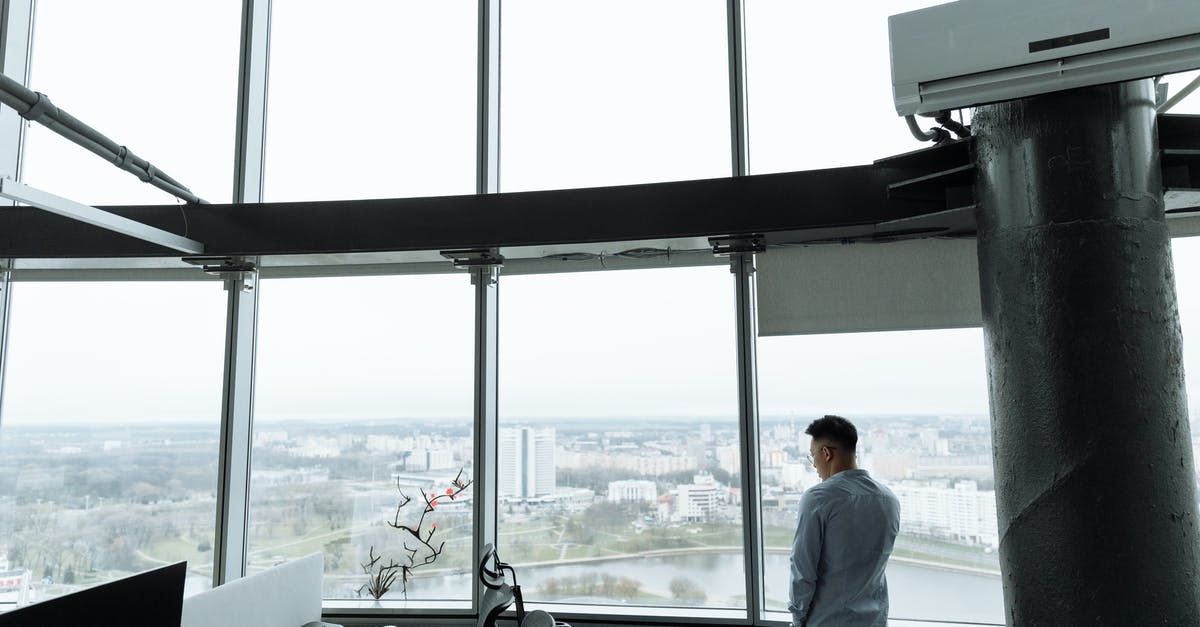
[{"x": 847, "y": 526}]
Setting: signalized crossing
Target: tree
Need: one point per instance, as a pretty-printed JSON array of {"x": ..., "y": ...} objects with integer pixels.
[
  {"x": 334, "y": 552},
  {"x": 686, "y": 590},
  {"x": 608, "y": 516},
  {"x": 722, "y": 476}
]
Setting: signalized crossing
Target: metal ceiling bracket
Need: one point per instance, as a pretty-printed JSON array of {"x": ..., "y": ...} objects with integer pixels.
[
  {"x": 45, "y": 201},
  {"x": 733, "y": 244},
  {"x": 235, "y": 269},
  {"x": 483, "y": 263},
  {"x": 475, "y": 258}
]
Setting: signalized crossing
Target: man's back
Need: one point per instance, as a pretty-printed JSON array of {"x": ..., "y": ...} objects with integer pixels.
[{"x": 846, "y": 530}]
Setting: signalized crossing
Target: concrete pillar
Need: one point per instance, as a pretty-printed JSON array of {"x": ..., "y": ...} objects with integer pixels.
[{"x": 1092, "y": 449}]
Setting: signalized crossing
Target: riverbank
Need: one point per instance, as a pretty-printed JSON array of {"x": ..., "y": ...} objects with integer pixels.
[{"x": 736, "y": 550}]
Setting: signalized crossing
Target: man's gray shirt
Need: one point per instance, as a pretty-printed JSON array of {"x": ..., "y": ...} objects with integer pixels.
[{"x": 847, "y": 526}]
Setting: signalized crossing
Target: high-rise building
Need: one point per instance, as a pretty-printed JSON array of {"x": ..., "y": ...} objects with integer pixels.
[{"x": 526, "y": 462}]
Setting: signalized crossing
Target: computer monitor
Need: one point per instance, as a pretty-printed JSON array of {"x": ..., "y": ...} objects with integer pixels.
[{"x": 150, "y": 599}]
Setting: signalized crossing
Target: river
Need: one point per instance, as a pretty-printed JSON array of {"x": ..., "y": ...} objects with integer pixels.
[{"x": 916, "y": 592}]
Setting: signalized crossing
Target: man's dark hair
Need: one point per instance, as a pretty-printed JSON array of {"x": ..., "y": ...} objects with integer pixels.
[{"x": 834, "y": 429}]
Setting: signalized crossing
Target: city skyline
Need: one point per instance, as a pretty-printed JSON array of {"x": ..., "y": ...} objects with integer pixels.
[{"x": 335, "y": 483}]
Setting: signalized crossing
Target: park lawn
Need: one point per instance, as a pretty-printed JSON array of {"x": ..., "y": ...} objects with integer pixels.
[
  {"x": 778, "y": 537},
  {"x": 579, "y": 551},
  {"x": 719, "y": 535},
  {"x": 176, "y": 549},
  {"x": 293, "y": 547},
  {"x": 543, "y": 553},
  {"x": 691, "y": 536}
]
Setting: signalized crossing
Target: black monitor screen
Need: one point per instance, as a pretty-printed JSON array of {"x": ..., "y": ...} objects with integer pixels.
[{"x": 150, "y": 599}]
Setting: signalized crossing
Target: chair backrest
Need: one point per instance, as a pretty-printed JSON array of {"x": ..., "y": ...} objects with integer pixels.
[
  {"x": 497, "y": 594},
  {"x": 493, "y": 603},
  {"x": 287, "y": 595}
]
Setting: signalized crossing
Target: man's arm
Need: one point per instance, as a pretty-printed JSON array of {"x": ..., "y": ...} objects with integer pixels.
[{"x": 806, "y": 554}]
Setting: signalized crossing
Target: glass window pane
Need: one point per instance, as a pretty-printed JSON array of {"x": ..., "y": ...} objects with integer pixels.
[
  {"x": 1175, "y": 84},
  {"x": 1185, "y": 251},
  {"x": 158, "y": 77},
  {"x": 613, "y": 92},
  {"x": 109, "y": 437},
  {"x": 375, "y": 99},
  {"x": 819, "y": 84},
  {"x": 619, "y": 475},
  {"x": 919, "y": 401},
  {"x": 364, "y": 389}
]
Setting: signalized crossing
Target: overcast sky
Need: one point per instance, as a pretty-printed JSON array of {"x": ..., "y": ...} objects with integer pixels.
[{"x": 377, "y": 99}]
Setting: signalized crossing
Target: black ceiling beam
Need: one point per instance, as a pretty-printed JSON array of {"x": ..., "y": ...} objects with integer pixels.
[
  {"x": 851, "y": 199},
  {"x": 925, "y": 192}
]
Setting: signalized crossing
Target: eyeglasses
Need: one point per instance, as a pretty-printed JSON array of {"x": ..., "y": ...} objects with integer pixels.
[{"x": 809, "y": 455}]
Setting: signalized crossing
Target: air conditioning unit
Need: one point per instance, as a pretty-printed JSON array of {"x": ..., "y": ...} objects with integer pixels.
[{"x": 974, "y": 52}]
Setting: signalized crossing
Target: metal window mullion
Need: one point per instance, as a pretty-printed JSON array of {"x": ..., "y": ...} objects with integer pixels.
[
  {"x": 485, "y": 280},
  {"x": 5, "y": 319},
  {"x": 735, "y": 13},
  {"x": 747, "y": 334},
  {"x": 487, "y": 317},
  {"x": 233, "y": 475},
  {"x": 241, "y": 322},
  {"x": 487, "y": 158},
  {"x": 252, "y": 101},
  {"x": 16, "y": 38}
]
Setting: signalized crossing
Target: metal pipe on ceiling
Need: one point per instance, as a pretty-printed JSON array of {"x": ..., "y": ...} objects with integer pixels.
[{"x": 36, "y": 107}]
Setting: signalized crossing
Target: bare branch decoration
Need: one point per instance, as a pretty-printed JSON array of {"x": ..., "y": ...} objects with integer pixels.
[
  {"x": 380, "y": 576},
  {"x": 423, "y": 540}
]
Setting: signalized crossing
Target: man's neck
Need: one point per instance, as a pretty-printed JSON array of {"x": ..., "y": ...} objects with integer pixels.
[{"x": 839, "y": 466}]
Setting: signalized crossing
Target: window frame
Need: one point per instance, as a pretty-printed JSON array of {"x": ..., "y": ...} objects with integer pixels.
[{"x": 241, "y": 321}]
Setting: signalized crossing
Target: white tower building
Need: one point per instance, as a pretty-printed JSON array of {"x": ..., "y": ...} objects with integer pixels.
[{"x": 527, "y": 462}]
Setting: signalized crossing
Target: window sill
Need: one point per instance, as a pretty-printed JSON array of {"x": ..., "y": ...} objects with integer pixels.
[
  {"x": 389, "y": 607},
  {"x": 357, "y": 613}
]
